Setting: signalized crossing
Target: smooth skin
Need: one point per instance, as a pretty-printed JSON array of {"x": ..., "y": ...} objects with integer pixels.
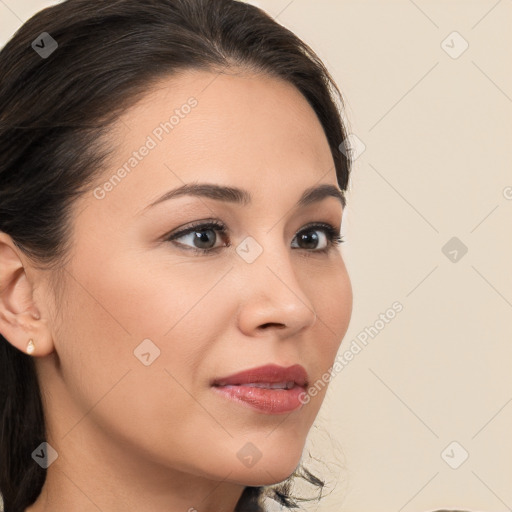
[{"x": 157, "y": 438}]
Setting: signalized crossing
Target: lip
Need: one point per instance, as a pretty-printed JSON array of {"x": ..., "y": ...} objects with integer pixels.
[
  {"x": 267, "y": 400},
  {"x": 270, "y": 374}
]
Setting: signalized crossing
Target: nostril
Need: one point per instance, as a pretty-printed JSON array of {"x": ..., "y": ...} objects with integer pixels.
[{"x": 272, "y": 324}]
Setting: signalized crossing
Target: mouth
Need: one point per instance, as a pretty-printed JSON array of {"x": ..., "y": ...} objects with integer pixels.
[
  {"x": 269, "y": 389},
  {"x": 268, "y": 375},
  {"x": 264, "y": 385}
]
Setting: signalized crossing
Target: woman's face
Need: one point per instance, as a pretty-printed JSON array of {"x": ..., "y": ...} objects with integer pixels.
[{"x": 147, "y": 324}]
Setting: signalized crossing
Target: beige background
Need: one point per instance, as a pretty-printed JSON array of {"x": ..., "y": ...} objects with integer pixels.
[{"x": 437, "y": 130}]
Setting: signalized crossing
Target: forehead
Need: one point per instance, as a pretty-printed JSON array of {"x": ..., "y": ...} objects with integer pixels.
[
  {"x": 254, "y": 114},
  {"x": 249, "y": 130}
]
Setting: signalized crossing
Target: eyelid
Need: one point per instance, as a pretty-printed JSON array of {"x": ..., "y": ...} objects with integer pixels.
[
  {"x": 203, "y": 224},
  {"x": 332, "y": 233}
]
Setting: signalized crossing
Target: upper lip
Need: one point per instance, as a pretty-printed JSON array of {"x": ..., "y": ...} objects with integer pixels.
[{"x": 271, "y": 374}]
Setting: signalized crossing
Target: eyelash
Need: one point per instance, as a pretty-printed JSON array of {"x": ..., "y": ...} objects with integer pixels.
[{"x": 334, "y": 238}]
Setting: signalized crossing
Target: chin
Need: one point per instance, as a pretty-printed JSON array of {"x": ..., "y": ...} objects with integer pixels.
[
  {"x": 269, "y": 471},
  {"x": 267, "y": 479}
]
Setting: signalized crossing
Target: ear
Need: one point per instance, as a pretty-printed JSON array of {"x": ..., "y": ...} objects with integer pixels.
[{"x": 20, "y": 318}]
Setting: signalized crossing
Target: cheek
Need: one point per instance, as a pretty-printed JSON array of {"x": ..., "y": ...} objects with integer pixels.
[
  {"x": 135, "y": 298},
  {"x": 135, "y": 312},
  {"x": 332, "y": 297},
  {"x": 108, "y": 316}
]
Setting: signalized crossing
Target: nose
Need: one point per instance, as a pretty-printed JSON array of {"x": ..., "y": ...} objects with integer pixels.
[{"x": 271, "y": 295}]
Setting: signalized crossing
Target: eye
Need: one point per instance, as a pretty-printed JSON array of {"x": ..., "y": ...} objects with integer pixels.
[
  {"x": 202, "y": 237},
  {"x": 330, "y": 237}
]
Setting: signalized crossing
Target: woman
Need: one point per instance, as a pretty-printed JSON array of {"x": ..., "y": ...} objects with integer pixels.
[{"x": 173, "y": 293}]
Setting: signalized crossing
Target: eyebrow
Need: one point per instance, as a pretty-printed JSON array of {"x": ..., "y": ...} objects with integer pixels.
[{"x": 243, "y": 197}]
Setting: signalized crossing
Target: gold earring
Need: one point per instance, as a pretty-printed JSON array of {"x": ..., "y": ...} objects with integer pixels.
[{"x": 30, "y": 346}]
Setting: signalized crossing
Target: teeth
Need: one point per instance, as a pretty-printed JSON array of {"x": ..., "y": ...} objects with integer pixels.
[{"x": 266, "y": 385}]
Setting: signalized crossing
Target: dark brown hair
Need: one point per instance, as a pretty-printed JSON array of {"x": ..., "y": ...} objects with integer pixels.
[{"x": 54, "y": 114}]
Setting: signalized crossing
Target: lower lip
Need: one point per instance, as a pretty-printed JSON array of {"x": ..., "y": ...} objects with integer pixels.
[{"x": 268, "y": 401}]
